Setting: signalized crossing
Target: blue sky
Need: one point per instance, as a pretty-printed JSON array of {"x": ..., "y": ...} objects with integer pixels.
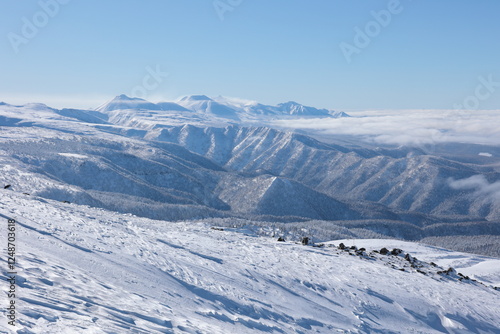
[{"x": 425, "y": 54}]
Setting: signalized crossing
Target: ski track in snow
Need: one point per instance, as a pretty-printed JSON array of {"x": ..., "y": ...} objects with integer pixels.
[{"x": 87, "y": 270}]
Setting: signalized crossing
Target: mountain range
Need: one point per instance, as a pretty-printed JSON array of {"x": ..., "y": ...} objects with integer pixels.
[
  {"x": 201, "y": 216},
  {"x": 220, "y": 107},
  {"x": 200, "y": 157}
]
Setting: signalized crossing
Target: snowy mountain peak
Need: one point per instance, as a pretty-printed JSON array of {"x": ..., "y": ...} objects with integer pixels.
[
  {"x": 204, "y": 105},
  {"x": 290, "y": 103},
  {"x": 217, "y": 109},
  {"x": 294, "y": 108},
  {"x": 171, "y": 106},
  {"x": 124, "y": 102},
  {"x": 125, "y": 97},
  {"x": 195, "y": 98},
  {"x": 37, "y": 106}
]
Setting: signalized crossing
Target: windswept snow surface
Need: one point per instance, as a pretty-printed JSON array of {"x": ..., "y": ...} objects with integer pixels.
[{"x": 87, "y": 270}]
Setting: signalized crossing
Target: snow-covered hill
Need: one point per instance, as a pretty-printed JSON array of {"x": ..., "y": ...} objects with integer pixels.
[{"x": 87, "y": 270}]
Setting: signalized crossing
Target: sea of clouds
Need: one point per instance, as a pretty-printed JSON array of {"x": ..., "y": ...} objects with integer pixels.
[{"x": 409, "y": 127}]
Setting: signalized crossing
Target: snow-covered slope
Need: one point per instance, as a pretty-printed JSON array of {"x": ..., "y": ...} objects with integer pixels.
[
  {"x": 483, "y": 268},
  {"x": 85, "y": 270},
  {"x": 123, "y": 102},
  {"x": 297, "y": 109},
  {"x": 206, "y": 106},
  {"x": 270, "y": 195}
]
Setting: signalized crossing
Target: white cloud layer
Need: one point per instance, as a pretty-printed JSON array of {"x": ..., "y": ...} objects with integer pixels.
[
  {"x": 480, "y": 184},
  {"x": 416, "y": 127}
]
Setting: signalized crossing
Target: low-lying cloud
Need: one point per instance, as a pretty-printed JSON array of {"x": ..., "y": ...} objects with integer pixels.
[
  {"x": 480, "y": 184},
  {"x": 419, "y": 127}
]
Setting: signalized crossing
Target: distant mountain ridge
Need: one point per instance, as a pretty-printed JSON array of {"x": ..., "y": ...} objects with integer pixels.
[{"x": 220, "y": 107}]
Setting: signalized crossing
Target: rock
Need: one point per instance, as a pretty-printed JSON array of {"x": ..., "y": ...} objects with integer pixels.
[
  {"x": 281, "y": 239},
  {"x": 384, "y": 251},
  {"x": 463, "y": 276},
  {"x": 342, "y": 246},
  {"x": 447, "y": 272},
  {"x": 396, "y": 251},
  {"x": 360, "y": 252},
  {"x": 7, "y": 186},
  {"x": 305, "y": 241}
]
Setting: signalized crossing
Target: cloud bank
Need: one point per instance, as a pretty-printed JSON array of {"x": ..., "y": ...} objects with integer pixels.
[
  {"x": 416, "y": 127},
  {"x": 478, "y": 183}
]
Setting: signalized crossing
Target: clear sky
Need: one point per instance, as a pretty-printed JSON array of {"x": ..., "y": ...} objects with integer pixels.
[{"x": 424, "y": 54}]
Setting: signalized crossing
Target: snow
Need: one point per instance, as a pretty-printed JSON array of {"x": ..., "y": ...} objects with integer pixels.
[
  {"x": 84, "y": 269},
  {"x": 87, "y": 270},
  {"x": 194, "y": 156},
  {"x": 123, "y": 102},
  {"x": 483, "y": 268},
  {"x": 73, "y": 155},
  {"x": 217, "y": 110}
]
